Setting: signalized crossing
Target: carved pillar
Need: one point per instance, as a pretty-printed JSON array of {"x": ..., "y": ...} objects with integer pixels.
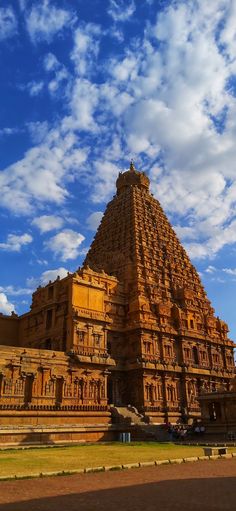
[
  {"x": 224, "y": 359},
  {"x": 104, "y": 345},
  {"x": 89, "y": 337},
  {"x": 162, "y": 355},
  {"x": 210, "y": 355},
  {"x": 80, "y": 391},
  {"x": 165, "y": 400},
  {"x": 183, "y": 395}
]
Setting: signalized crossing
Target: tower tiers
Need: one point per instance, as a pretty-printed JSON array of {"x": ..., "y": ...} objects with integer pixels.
[
  {"x": 136, "y": 243},
  {"x": 133, "y": 326},
  {"x": 171, "y": 346}
]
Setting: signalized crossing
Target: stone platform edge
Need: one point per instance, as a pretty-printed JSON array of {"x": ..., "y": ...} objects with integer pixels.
[{"x": 125, "y": 466}]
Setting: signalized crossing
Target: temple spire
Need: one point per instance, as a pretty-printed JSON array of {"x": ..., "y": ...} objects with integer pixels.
[
  {"x": 132, "y": 167},
  {"x": 131, "y": 177}
]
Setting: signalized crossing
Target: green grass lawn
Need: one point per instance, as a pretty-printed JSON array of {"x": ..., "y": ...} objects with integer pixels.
[{"x": 31, "y": 461}]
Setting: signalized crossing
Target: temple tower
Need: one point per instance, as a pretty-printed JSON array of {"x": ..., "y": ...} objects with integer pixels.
[{"x": 171, "y": 345}]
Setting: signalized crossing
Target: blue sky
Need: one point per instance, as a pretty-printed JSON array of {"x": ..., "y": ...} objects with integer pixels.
[{"x": 85, "y": 87}]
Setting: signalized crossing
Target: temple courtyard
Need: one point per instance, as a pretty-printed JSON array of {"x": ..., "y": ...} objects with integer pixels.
[{"x": 206, "y": 485}]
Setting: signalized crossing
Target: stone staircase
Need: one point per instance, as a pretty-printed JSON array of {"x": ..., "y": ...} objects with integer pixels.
[
  {"x": 130, "y": 419},
  {"x": 127, "y": 414}
]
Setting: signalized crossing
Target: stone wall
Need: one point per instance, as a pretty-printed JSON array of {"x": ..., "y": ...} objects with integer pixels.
[
  {"x": 145, "y": 330},
  {"x": 218, "y": 413},
  {"x": 9, "y": 330}
]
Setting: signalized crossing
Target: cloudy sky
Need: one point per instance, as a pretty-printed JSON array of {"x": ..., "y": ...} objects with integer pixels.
[{"x": 87, "y": 85}]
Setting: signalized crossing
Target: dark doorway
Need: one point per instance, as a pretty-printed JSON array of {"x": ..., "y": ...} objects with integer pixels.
[
  {"x": 195, "y": 355},
  {"x": 59, "y": 389},
  {"x": 110, "y": 391},
  {"x": 28, "y": 389}
]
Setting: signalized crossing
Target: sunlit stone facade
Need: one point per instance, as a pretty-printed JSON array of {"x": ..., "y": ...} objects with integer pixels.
[{"x": 133, "y": 326}]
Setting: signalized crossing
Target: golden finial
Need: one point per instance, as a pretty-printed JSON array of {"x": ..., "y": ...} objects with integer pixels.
[{"x": 132, "y": 167}]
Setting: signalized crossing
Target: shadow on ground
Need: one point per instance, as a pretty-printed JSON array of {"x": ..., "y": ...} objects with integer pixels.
[{"x": 214, "y": 494}]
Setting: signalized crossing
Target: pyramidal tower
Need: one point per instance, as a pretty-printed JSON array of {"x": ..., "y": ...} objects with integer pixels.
[
  {"x": 168, "y": 344},
  {"x": 136, "y": 243},
  {"x": 133, "y": 326}
]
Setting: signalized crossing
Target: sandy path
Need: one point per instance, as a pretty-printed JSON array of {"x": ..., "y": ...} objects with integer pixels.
[{"x": 200, "y": 486}]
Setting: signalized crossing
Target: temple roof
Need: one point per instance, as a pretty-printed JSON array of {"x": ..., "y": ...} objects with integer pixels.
[{"x": 132, "y": 177}]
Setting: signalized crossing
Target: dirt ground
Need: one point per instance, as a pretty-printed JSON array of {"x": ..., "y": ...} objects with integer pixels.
[{"x": 204, "y": 486}]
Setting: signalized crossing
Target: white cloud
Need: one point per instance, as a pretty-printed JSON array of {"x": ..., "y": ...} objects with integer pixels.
[
  {"x": 196, "y": 250},
  {"x": 177, "y": 78},
  {"x": 23, "y": 4},
  {"x": 84, "y": 100},
  {"x": 115, "y": 100},
  {"x": 228, "y": 34},
  {"x": 51, "y": 62},
  {"x": 86, "y": 48},
  {"x": 35, "y": 88},
  {"x": 117, "y": 33},
  {"x": 45, "y": 20},
  {"x": 46, "y": 276},
  {"x": 162, "y": 100},
  {"x": 218, "y": 279},
  {"x": 127, "y": 69},
  {"x": 8, "y": 23},
  {"x": 184, "y": 232},
  {"x": 210, "y": 269},
  {"x": 40, "y": 176},
  {"x": 60, "y": 77},
  {"x": 121, "y": 10},
  {"x": 106, "y": 172},
  {"x": 57, "y": 70},
  {"x": 52, "y": 275},
  {"x": 230, "y": 271},
  {"x": 46, "y": 223},
  {"x": 219, "y": 237},
  {"x": 42, "y": 262},
  {"x": 8, "y": 131},
  {"x": 65, "y": 244},
  {"x": 15, "y": 242},
  {"x": 94, "y": 220},
  {"x": 6, "y": 307},
  {"x": 13, "y": 291},
  {"x": 38, "y": 131}
]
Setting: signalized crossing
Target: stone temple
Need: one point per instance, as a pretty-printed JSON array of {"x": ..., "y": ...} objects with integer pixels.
[{"x": 133, "y": 326}]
